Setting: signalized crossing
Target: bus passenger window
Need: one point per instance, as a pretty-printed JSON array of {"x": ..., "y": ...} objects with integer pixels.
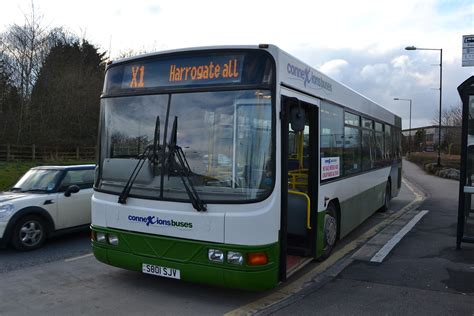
[
  {"x": 368, "y": 149},
  {"x": 388, "y": 143},
  {"x": 352, "y": 154},
  {"x": 331, "y": 130}
]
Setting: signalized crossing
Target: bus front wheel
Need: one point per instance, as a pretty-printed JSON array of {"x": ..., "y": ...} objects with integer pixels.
[{"x": 330, "y": 230}]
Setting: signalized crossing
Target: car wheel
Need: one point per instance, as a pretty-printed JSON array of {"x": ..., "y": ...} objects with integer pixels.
[
  {"x": 387, "y": 197},
  {"x": 29, "y": 233},
  {"x": 330, "y": 230}
]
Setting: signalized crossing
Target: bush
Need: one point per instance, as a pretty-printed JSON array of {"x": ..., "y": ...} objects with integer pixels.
[{"x": 424, "y": 158}]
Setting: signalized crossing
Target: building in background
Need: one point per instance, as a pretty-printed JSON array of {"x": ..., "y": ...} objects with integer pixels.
[{"x": 426, "y": 139}]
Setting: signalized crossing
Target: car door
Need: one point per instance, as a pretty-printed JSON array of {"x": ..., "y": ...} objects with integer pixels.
[{"x": 75, "y": 209}]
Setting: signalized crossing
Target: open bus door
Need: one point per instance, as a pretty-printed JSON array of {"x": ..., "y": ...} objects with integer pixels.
[
  {"x": 299, "y": 188},
  {"x": 465, "y": 228}
]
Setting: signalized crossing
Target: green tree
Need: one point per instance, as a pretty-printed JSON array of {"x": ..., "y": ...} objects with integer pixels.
[
  {"x": 9, "y": 111},
  {"x": 65, "y": 98},
  {"x": 420, "y": 139}
]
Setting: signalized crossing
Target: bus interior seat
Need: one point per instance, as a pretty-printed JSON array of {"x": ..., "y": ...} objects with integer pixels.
[
  {"x": 306, "y": 162},
  {"x": 297, "y": 206},
  {"x": 298, "y": 180},
  {"x": 293, "y": 164}
]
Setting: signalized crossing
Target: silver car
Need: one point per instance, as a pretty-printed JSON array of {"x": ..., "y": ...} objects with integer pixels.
[{"x": 45, "y": 202}]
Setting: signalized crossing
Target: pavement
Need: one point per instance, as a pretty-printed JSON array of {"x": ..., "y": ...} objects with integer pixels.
[{"x": 423, "y": 274}]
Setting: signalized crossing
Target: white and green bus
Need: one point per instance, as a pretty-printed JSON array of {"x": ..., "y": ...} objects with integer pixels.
[{"x": 234, "y": 166}]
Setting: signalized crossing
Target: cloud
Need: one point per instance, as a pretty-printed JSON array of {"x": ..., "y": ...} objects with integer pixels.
[
  {"x": 393, "y": 74},
  {"x": 360, "y": 43},
  {"x": 333, "y": 67},
  {"x": 375, "y": 72},
  {"x": 400, "y": 62}
]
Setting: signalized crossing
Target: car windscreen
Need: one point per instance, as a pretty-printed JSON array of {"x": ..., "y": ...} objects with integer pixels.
[{"x": 38, "y": 180}]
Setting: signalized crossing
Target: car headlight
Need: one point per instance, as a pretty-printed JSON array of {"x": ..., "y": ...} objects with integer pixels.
[{"x": 6, "y": 210}]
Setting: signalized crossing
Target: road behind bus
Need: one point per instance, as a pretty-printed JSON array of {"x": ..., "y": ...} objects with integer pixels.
[
  {"x": 82, "y": 285},
  {"x": 423, "y": 275}
]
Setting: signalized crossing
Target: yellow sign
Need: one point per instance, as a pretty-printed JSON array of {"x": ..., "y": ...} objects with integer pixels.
[
  {"x": 210, "y": 71},
  {"x": 140, "y": 81}
]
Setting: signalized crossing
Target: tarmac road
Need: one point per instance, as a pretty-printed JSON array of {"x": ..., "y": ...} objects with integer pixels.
[
  {"x": 58, "y": 248},
  {"x": 63, "y": 278}
]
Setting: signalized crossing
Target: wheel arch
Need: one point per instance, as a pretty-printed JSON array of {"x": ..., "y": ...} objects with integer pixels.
[
  {"x": 389, "y": 181},
  {"x": 336, "y": 203},
  {"x": 30, "y": 210}
]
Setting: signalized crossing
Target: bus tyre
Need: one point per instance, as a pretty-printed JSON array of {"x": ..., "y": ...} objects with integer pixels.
[
  {"x": 330, "y": 230},
  {"x": 29, "y": 233},
  {"x": 387, "y": 197}
]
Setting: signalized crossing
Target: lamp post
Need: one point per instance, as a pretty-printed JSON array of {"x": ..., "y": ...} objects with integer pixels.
[
  {"x": 409, "y": 129},
  {"x": 440, "y": 92}
]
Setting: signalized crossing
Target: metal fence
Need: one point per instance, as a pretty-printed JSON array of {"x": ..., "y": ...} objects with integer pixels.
[{"x": 10, "y": 152}]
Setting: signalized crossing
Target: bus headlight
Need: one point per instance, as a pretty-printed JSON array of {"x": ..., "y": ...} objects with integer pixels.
[
  {"x": 100, "y": 237},
  {"x": 235, "y": 257},
  {"x": 113, "y": 239},
  {"x": 215, "y": 255}
]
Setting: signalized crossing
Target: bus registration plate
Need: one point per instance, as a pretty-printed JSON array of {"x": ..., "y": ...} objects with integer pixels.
[{"x": 161, "y": 271}]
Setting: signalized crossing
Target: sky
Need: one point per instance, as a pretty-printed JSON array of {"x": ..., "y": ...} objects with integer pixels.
[{"x": 359, "y": 43}]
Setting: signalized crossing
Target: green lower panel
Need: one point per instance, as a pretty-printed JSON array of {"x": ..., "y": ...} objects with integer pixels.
[
  {"x": 190, "y": 257},
  {"x": 358, "y": 208}
]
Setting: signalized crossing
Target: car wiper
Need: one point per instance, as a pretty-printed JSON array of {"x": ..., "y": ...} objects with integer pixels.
[
  {"x": 15, "y": 189},
  {"x": 151, "y": 153},
  {"x": 34, "y": 190},
  {"x": 182, "y": 168}
]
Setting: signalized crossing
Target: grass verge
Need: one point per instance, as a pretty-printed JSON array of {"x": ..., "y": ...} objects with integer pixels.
[
  {"x": 10, "y": 172},
  {"x": 423, "y": 158}
]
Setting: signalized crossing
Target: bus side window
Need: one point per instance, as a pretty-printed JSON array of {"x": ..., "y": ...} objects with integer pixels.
[{"x": 331, "y": 130}]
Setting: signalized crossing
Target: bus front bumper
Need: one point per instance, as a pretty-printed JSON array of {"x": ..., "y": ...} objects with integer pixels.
[{"x": 190, "y": 257}]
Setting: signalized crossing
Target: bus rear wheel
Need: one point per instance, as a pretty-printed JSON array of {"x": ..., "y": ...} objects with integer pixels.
[
  {"x": 387, "y": 197},
  {"x": 330, "y": 230}
]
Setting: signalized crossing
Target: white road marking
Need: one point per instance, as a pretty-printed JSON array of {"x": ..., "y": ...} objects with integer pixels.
[
  {"x": 77, "y": 258},
  {"x": 385, "y": 250}
]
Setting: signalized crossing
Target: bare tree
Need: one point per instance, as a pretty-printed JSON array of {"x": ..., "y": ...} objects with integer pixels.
[
  {"x": 23, "y": 49},
  {"x": 132, "y": 53},
  {"x": 451, "y": 121},
  {"x": 451, "y": 116}
]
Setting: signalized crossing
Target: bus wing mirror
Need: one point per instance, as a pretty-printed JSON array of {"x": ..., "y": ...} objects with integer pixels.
[{"x": 297, "y": 118}]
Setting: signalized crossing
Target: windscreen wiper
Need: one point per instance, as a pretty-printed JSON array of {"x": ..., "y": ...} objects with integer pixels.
[
  {"x": 176, "y": 154},
  {"x": 34, "y": 190},
  {"x": 150, "y": 152}
]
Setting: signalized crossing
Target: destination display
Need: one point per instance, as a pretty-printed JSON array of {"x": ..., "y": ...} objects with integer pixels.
[{"x": 212, "y": 69}]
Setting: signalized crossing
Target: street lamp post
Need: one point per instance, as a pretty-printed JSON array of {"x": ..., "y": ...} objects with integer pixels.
[
  {"x": 440, "y": 92},
  {"x": 409, "y": 128}
]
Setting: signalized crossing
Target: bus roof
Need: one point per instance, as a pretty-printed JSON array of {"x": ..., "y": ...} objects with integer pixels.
[{"x": 296, "y": 74}]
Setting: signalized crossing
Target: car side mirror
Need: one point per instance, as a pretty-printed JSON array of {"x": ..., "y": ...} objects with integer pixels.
[{"x": 71, "y": 189}]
